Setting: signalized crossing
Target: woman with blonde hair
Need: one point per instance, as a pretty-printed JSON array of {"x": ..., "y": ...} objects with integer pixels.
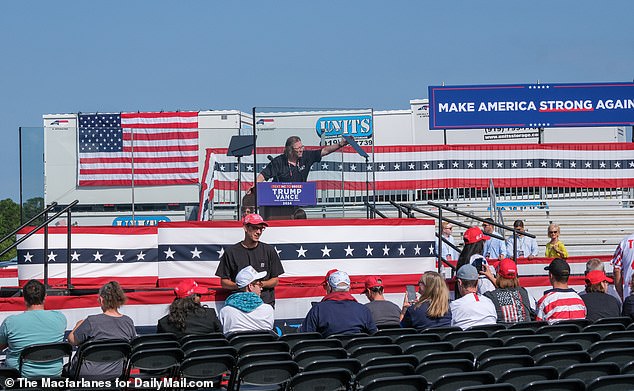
[
  {"x": 555, "y": 248},
  {"x": 432, "y": 307}
]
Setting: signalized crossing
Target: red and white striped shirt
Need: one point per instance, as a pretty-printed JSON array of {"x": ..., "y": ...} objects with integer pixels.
[{"x": 559, "y": 304}]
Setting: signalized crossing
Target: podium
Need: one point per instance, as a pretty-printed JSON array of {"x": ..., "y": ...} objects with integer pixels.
[{"x": 282, "y": 200}]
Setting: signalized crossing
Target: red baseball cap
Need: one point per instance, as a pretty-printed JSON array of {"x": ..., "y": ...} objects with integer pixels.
[
  {"x": 507, "y": 268},
  {"x": 597, "y": 276},
  {"x": 474, "y": 235},
  {"x": 328, "y": 275},
  {"x": 254, "y": 219},
  {"x": 188, "y": 287},
  {"x": 373, "y": 282}
]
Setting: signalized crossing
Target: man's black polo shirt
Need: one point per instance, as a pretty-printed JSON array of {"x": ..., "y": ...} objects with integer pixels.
[{"x": 281, "y": 171}]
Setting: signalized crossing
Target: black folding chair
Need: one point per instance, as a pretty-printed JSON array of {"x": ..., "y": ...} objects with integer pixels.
[
  {"x": 583, "y": 339},
  {"x": 610, "y": 383},
  {"x": 477, "y": 346},
  {"x": 555, "y": 385},
  {"x": 587, "y": 372},
  {"x": 206, "y": 368},
  {"x": 294, "y": 338},
  {"x": 238, "y": 340},
  {"x": 365, "y": 353},
  {"x": 489, "y": 328},
  {"x": 555, "y": 330},
  {"x": 54, "y": 352},
  {"x": 308, "y": 356},
  {"x": 504, "y": 335},
  {"x": 535, "y": 324},
  {"x": 487, "y": 387},
  {"x": 206, "y": 351},
  {"x": 263, "y": 347},
  {"x": 432, "y": 370},
  {"x": 201, "y": 337},
  {"x": 453, "y": 381},
  {"x": 497, "y": 365},
  {"x": 522, "y": 376},
  {"x": 455, "y": 355},
  {"x": 455, "y": 337},
  {"x": 351, "y": 365},
  {"x": 255, "y": 358},
  {"x": 530, "y": 341},
  {"x": 266, "y": 374},
  {"x": 538, "y": 351},
  {"x": 315, "y": 344},
  {"x": 405, "y": 341},
  {"x": 599, "y": 346},
  {"x": 202, "y": 344},
  {"x": 440, "y": 331},
  {"x": 604, "y": 328},
  {"x": 503, "y": 351},
  {"x": 400, "y": 383},
  {"x": 329, "y": 379},
  {"x": 562, "y": 360},
  {"x": 627, "y": 335},
  {"x": 366, "y": 375},
  {"x": 619, "y": 356},
  {"x": 155, "y": 337},
  {"x": 624, "y": 320},
  {"x": 400, "y": 359},
  {"x": 367, "y": 341},
  {"x": 421, "y": 350},
  {"x": 112, "y": 353},
  {"x": 154, "y": 363},
  {"x": 395, "y": 333}
]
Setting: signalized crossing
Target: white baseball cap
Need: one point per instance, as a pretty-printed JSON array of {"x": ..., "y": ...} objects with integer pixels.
[
  {"x": 247, "y": 276},
  {"x": 339, "y": 280}
]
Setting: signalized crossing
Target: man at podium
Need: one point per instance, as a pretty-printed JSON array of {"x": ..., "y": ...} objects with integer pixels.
[{"x": 295, "y": 163}]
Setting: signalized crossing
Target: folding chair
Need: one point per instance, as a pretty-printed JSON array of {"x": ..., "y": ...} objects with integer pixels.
[
  {"x": 330, "y": 379},
  {"x": 400, "y": 383},
  {"x": 487, "y": 387},
  {"x": 538, "y": 351},
  {"x": 197, "y": 337},
  {"x": 367, "y": 341},
  {"x": 294, "y": 338},
  {"x": 453, "y": 381},
  {"x": 587, "y": 372},
  {"x": 555, "y": 385},
  {"x": 455, "y": 355},
  {"x": 266, "y": 374},
  {"x": 535, "y": 324},
  {"x": 352, "y": 365},
  {"x": 395, "y": 332},
  {"x": 156, "y": 345},
  {"x": 628, "y": 368},
  {"x": 441, "y": 331},
  {"x": 627, "y": 335},
  {"x": 54, "y": 352},
  {"x": 599, "y": 346},
  {"x": 366, "y": 375},
  {"x": 477, "y": 346},
  {"x": 605, "y": 383},
  {"x": 193, "y": 343},
  {"x": 307, "y": 356},
  {"x": 624, "y": 320},
  {"x": 562, "y": 360},
  {"x": 255, "y": 358},
  {"x": 308, "y": 344},
  {"x": 555, "y": 330},
  {"x": 156, "y": 337},
  {"x": 619, "y": 356},
  {"x": 497, "y": 365},
  {"x": 153, "y": 363},
  {"x": 263, "y": 347},
  {"x": 504, "y": 335},
  {"x": 432, "y": 370},
  {"x": 365, "y": 353},
  {"x": 489, "y": 328},
  {"x": 530, "y": 341},
  {"x": 579, "y": 322},
  {"x": 206, "y": 368},
  {"x": 457, "y": 336},
  {"x": 405, "y": 341},
  {"x": 522, "y": 376},
  {"x": 114, "y": 353},
  {"x": 503, "y": 351},
  {"x": 343, "y": 338},
  {"x": 604, "y": 328},
  {"x": 420, "y": 350},
  {"x": 401, "y": 359},
  {"x": 204, "y": 351},
  {"x": 240, "y": 339},
  {"x": 583, "y": 339}
]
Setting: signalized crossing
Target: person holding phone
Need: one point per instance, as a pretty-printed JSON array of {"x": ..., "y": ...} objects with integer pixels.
[{"x": 432, "y": 307}]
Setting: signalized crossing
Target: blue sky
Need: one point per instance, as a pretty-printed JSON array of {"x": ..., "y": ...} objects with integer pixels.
[{"x": 71, "y": 56}]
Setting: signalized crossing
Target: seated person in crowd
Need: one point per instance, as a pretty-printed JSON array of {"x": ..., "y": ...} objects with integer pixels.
[
  {"x": 245, "y": 310},
  {"x": 512, "y": 302},
  {"x": 186, "y": 314},
  {"x": 432, "y": 307},
  {"x": 384, "y": 312},
  {"x": 555, "y": 248},
  {"x": 109, "y": 325},
  {"x": 597, "y": 264},
  {"x": 34, "y": 326},
  {"x": 471, "y": 309},
  {"x": 486, "y": 282},
  {"x": 494, "y": 249},
  {"x": 474, "y": 240},
  {"x": 599, "y": 304},
  {"x": 628, "y": 303},
  {"x": 338, "y": 312},
  {"x": 526, "y": 247},
  {"x": 561, "y": 302}
]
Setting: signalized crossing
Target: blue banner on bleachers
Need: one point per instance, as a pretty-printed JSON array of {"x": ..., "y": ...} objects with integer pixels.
[{"x": 531, "y": 105}]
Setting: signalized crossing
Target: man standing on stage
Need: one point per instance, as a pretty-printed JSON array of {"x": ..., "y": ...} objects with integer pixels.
[
  {"x": 251, "y": 251},
  {"x": 295, "y": 163}
]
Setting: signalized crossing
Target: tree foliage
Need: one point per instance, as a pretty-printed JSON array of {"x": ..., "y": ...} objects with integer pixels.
[{"x": 9, "y": 220}]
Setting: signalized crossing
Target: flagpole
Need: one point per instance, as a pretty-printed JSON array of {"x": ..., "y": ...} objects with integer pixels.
[{"x": 132, "y": 149}]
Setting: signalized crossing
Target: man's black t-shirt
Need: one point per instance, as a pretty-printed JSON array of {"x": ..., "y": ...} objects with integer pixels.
[
  {"x": 601, "y": 305},
  {"x": 262, "y": 257},
  {"x": 281, "y": 171}
]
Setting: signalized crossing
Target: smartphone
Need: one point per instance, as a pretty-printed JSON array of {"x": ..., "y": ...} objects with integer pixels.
[{"x": 411, "y": 293}]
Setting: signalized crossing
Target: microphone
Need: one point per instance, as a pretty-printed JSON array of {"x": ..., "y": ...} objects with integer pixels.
[{"x": 269, "y": 157}]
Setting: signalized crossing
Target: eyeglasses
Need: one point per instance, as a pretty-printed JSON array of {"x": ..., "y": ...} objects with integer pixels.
[
  {"x": 553, "y": 232},
  {"x": 256, "y": 227},
  {"x": 485, "y": 225}
]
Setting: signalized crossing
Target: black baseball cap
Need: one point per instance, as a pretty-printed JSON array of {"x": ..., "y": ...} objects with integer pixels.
[{"x": 558, "y": 267}]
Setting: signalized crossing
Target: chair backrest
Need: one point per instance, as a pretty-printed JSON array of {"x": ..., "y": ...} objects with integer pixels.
[
  {"x": 105, "y": 352},
  {"x": 535, "y": 324},
  {"x": 489, "y": 328},
  {"x": 404, "y": 341},
  {"x": 562, "y": 360},
  {"x": 148, "y": 345},
  {"x": 395, "y": 333},
  {"x": 619, "y": 356},
  {"x": 521, "y": 376},
  {"x": 292, "y": 339},
  {"x": 197, "y": 337},
  {"x": 555, "y": 385},
  {"x": 367, "y": 374},
  {"x": 615, "y": 382},
  {"x": 365, "y": 353},
  {"x": 455, "y": 355},
  {"x": 307, "y": 356},
  {"x": 599, "y": 346},
  {"x": 604, "y": 328},
  {"x": 504, "y": 351},
  {"x": 315, "y": 344},
  {"x": 352, "y": 365},
  {"x": 156, "y": 337},
  {"x": 453, "y": 381},
  {"x": 555, "y": 330},
  {"x": 45, "y": 353},
  {"x": 205, "y": 351},
  {"x": 343, "y": 338},
  {"x": 497, "y": 365},
  {"x": 8, "y": 373},
  {"x": 195, "y": 343},
  {"x": 367, "y": 341},
  {"x": 504, "y": 335},
  {"x": 401, "y": 383},
  {"x": 530, "y": 341},
  {"x": 400, "y": 359},
  {"x": 618, "y": 335},
  {"x": 579, "y": 322},
  {"x": 628, "y": 368},
  {"x": 420, "y": 350},
  {"x": 477, "y": 346},
  {"x": 440, "y": 330},
  {"x": 587, "y": 372},
  {"x": 624, "y": 320},
  {"x": 486, "y": 387},
  {"x": 156, "y": 362},
  {"x": 267, "y": 373},
  {"x": 327, "y": 379},
  {"x": 538, "y": 351},
  {"x": 583, "y": 339},
  {"x": 432, "y": 370},
  {"x": 263, "y": 347},
  {"x": 206, "y": 367},
  {"x": 239, "y": 340},
  {"x": 455, "y": 337}
]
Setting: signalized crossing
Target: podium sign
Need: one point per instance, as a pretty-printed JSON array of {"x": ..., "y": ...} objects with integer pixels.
[{"x": 287, "y": 193}]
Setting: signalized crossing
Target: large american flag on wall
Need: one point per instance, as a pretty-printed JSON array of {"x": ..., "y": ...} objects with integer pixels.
[
  {"x": 152, "y": 149},
  {"x": 607, "y": 165}
]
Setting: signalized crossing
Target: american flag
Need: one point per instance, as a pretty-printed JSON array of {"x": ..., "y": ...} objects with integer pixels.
[
  {"x": 410, "y": 167},
  {"x": 510, "y": 305},
  {"x": 151, "y": 149}
]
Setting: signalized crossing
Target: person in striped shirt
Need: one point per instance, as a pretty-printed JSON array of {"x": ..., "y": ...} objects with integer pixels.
[{"x": 561, "y": 302}]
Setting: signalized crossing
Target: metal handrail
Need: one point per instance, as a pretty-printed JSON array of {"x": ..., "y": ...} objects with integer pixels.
[
  {"x": 374, "y": 210},
  {"x": 44, "y": 225},
  {"x": 51, "y": 206}
]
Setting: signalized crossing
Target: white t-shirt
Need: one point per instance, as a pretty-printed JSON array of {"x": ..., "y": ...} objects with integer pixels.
[
  {"x": 472, "y": 310},
  {"x": 233, "y": 319},
  {"x": 622, "y": 259}
]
